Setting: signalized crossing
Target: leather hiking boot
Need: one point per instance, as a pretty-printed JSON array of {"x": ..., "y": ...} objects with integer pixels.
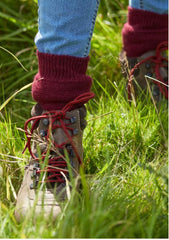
[
  {"x": 55, "y": 144},
  {"x": 153, "y": 64}
]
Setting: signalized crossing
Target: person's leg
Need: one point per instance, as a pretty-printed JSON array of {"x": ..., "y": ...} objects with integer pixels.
[
  {"x": 60, "y": 88},
  {"x": 63, "y": 42},
  {"x": 155, "y": 6},
  {"x": 146, "y": 27},
  {"x": 66, "y": 27},
  {"x": 146, "y": 30}
]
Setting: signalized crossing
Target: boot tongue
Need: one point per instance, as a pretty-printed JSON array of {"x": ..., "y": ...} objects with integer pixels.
[{"x": 59, "y": 141}]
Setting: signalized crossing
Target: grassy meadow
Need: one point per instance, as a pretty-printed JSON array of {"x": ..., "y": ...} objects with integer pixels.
[{"x": 125, "y": 179}]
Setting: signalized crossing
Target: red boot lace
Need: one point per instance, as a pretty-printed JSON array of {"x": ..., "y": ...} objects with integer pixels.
[
  {"x": 56, "y": 164},
  {"x": 159, "y": 61}
]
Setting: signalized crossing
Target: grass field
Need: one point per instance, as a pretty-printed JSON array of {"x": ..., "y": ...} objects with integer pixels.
[{"x": 125, "y": 185}]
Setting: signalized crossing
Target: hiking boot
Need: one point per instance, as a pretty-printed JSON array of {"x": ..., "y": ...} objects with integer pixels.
[
  {"x": 55, "y": 145},
  {"x": 154, "y": 65}
]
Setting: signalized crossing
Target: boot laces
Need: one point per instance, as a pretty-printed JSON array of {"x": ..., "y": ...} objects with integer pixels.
[
  {"x": 158, "y": 61},
  {"x": 56, "y": 165}
]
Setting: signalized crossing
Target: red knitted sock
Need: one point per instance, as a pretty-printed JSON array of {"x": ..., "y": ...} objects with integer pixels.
[
  {"x": 143, "y": 31},
  {"x": 60, "y": 80}
]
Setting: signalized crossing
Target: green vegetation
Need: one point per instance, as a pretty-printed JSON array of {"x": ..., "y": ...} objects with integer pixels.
[{"x": 124, "y": 191}]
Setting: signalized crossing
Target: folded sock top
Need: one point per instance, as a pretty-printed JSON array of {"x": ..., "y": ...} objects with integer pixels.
[
  {"x": 143, "y": 31},
  {"x": 59, "y": 80}
]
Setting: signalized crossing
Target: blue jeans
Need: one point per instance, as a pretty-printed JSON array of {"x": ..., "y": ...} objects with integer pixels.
[
  {"x": 66, "y": 26},
  {"x": 156, "y": 6}
]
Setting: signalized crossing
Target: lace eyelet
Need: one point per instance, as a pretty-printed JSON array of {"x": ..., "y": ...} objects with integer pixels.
[
  {"x": 45, "y": 121},
  {"x": 147, "y": 65},
  {"x": 43, "y": 133},
  {"x": 75, "y": 131},
  {"x": 149, "y": 74},
  {"x": 73, "y": 119}
]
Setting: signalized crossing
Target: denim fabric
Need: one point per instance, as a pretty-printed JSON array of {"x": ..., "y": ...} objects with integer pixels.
[
  {"x": 156, "y": 6},
  {"x": 66, "y": 26}
]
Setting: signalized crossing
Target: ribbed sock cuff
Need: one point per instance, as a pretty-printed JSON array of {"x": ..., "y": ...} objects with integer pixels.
[
  {"x": 143, "y": 31},
  {"x": 60, "y": 79}
]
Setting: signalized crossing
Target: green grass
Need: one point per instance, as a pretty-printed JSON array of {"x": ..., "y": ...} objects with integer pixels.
[{"x": 124, "y": 191}]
